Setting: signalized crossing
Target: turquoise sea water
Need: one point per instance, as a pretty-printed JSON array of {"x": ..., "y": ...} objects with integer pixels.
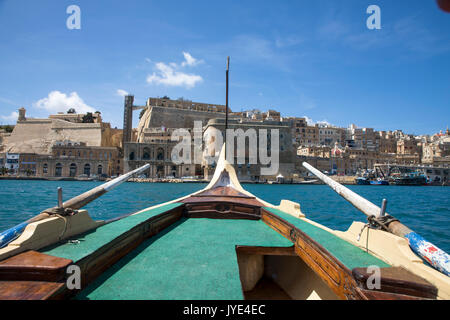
[{"x": 426, "y": 210}]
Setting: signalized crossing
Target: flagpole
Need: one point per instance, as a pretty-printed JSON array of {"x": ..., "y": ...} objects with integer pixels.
[{"x": 226, "y": 105}]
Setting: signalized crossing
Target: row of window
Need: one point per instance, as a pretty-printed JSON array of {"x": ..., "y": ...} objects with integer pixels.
[
  {"x": 72, "y": 169},
  {"x": 101, "y": 155}
]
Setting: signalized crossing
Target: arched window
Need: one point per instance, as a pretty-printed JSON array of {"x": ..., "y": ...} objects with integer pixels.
[
  {"x": 73, "y": 170},
  {"x": 131, "y": 157},
  {"x": 58, "y": 170},
  {"x": 160, "y": 171},
  {"x": 45, "y": 168},
  {"x": 99, "y": 169},
  {"x": 146, "y": 154},
  {"x": 160, "y": 154},
  {"x": 87, "y": 169}
]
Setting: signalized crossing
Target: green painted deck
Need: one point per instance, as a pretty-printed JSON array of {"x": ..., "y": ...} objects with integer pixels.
[
  {"x": 351, "y": 256},
  {"x": 191, "y": 260},
  {"x": 94, "y": 240}
]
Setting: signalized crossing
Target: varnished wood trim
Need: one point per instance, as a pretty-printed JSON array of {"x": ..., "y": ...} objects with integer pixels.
[
  {"x": 269, "y": 251},
  {"x": 337, "y": 276},
  {"x": 397, "y": 280},
  {"x": 222, "y": 210},
  {"x": 29, "y": 290},
  {"x": 382, "y": 295}
]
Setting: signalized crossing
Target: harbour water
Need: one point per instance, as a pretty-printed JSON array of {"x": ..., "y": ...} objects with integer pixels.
[{"x": 426, "y": 210}]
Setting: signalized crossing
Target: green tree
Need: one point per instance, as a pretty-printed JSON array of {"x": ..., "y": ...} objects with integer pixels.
[
  {"x": 8, "y": 128},
  {"x": 71, "y": 110},
  {"x": 88, "y": 118},
  {"x": 141, "y": 113}
]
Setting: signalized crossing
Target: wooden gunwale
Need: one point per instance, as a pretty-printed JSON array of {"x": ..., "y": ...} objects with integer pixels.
[
  {"x": 337, "y": 276},
  {"x": 275, "y": 251},
  {"x": 396, "y": 283}
]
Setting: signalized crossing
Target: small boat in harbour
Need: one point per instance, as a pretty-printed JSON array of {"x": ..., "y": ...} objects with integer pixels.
[
  {"x": 379, "y": 182},
  {"x": 219, "y": 243},
  {"x": 362, "y": 181},
  {"x": 414, "y": 178}
]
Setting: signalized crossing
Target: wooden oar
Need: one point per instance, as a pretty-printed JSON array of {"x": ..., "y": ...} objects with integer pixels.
[
  {"x": 436, "y": 257},
  {"x": 68, "y": 207}
]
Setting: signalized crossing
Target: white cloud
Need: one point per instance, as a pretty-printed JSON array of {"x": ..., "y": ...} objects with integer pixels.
[
  {"x": 60, "y": 102},
  {"x": 168, "y": 75},
  {"x": 12, "y": 117},
  {"x": 311, "y": 122},
  {"x": 189, "y": 60},
  {"x": 122, "y": 93}
]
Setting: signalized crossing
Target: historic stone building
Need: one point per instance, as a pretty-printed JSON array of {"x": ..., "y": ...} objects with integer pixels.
[
  {"x": 309, "y": 135},
  {"x": 436, "y": 151},
  {"x": 297, "y": 126},
  {"x": 152, "y": 140},
  {"x": 156, "y": 149},
  {"x": 248, "y": 171},
  {"x": 75, "y": 159},
  {"x": 62, "y": 145},
  {"x": 32, "y": 135},
  {"x": 329, "y": 135}
]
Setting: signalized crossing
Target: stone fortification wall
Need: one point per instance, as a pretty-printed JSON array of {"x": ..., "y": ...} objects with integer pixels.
[
  {"x": 157, "y": 117},
  {"x": 179, "y": 118},
  {"x": 38, "y": 135}
]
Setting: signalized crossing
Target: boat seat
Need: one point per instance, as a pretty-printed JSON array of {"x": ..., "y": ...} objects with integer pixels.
[
  {"x": 29, "y": 290},
  {"x": 396, "y": 280},
  {"x": 34, "y": 266},
  {"x": 86, "y": 244}
]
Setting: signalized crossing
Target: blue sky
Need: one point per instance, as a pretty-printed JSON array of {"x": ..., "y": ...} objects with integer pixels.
[{"x": 304, "y": 58}]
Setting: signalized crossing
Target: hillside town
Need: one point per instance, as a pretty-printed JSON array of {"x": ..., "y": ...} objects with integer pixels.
[{"x": 82, "y": 146}]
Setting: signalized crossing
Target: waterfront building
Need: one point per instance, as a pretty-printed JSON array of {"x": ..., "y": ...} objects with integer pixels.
[
  {"x": 2, "y": 160},
  {"x": 272, "y": 115},
  {"x": 364, "y": 138},
  {"x": 297, "y": 126},
  {"x": 12, "y": 162},
  {"x": 33, "y": 135},
  {"x": 76, "y": 159},
  {"x": 309, "y": 135},
  {"x": 314, "y": 151},
  {"x": 27, "y": 164},
  {"x": 387, "y": 143},
  {"x": 248, "y": 171},
  {"x": 151, "y": 142},
  {"x": 409, "y": 150},
  {"x": 437, "y": 150},
  {"x": 329, "y": 135},
  {"x": 155, "y": 148}
]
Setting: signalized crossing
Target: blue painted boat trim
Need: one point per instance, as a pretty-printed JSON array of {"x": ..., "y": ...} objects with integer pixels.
[
  {"x": 429, "y": 252},
  {"x": 11, "y": 234}
]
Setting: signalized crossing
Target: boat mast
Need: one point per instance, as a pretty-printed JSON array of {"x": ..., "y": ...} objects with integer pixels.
[{"x": 226, "y": 104}]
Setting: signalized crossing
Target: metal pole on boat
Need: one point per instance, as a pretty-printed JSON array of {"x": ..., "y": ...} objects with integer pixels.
[
  {"x": 226, "y": 104},
  {"x": 436, "y": 257},
  {"x": 68, "y": 207}
]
